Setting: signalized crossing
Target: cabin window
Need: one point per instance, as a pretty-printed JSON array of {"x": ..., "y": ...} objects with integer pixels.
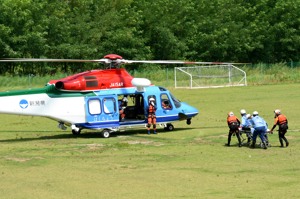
[
  {"x": 94, "y": 106},
  {"x": 109, "y": 105}
]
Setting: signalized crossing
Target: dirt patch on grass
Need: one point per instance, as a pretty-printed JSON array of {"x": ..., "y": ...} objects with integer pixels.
[
  {"x": 145, "y": 142},
  {"x": 17, "y": 159}
]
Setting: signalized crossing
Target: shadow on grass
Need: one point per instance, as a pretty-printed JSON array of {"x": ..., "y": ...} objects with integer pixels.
[{"x": 83, "y": 135}]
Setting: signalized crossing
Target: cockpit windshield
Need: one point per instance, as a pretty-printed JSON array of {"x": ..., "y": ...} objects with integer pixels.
[{"x": 176, "y": 101}]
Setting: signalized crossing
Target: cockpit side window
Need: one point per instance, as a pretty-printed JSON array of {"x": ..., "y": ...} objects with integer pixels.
[{"x": 165, "y": 102}]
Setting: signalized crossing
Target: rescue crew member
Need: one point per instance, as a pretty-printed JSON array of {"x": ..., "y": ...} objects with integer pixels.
[
  {"x": 151, "y": 115},
  {"x": 233, "y": 124},
  {"x": 282, "y": 122},
  {"x": 260, "y": 127},
  {"x": 122, "y": 108},
  {"x": 245, "y": 125}
]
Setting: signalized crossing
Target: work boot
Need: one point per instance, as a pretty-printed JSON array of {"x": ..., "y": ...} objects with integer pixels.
[
  {"x": 286, "y": 141},
  {"x": 265, "y": 145},
  {"x": 248, "y": 141},
  {"x": 228, "y": 143},
  {"x": 252, "y": 145},
  {"x": 281, "y": 143}
]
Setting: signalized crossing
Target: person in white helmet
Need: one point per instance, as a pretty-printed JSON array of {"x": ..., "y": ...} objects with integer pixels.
[
  {"x": 259, "y": 125},
  {"x": 151, "y": 115},
  {"x": 233, "y": 123},
  {"x": 282, "y": 122},
  {"x": 122, "y": 107},
  {"x": 245, "y": 125}
]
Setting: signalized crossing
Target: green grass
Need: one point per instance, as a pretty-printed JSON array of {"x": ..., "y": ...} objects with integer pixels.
[
  {"x": 37, "y": 160},
  {"x": 260, "y": 74}
]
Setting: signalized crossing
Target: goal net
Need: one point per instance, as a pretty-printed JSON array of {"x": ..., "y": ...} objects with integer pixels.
[{"x": 209, "y": 75}]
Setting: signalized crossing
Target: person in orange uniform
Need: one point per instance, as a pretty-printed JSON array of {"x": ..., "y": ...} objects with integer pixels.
[
  {"x": 151, "y": 115},
  {"x": 122, "y": 107},
  {"x": 282, "y": 122},
  {"x": 233, "y": 124}
]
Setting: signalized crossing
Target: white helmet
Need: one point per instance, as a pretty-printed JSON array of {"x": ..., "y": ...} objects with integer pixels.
[
  {"x": 230, "y": 114},
  {"x": 151, "y": 99},
  {"x": 248, "y": 116},
  {"x": 243, "y": 111},
  {"x": 277, "y": 112},
  {"x": 125, "y": 99},
  {"x": 255, "y": 113}
]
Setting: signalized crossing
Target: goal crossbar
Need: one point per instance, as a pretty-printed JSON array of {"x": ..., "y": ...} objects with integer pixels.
[{"x": 209, "y": 76}]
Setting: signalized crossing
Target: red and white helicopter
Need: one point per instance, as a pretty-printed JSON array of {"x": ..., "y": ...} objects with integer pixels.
[{"x": 91, "y": 99}]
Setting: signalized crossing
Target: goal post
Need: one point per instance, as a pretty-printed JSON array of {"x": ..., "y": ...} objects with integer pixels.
[{"x": 209, "y": 76}]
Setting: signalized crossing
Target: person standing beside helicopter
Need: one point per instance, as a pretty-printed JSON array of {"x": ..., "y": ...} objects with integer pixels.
[{"x": 151, "y": 115}]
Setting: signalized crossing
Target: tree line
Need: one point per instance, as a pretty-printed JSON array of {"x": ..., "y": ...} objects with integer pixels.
[{"x": 251, "y": 31}]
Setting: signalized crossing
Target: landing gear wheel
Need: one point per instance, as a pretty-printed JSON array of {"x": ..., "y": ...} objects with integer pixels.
[
  {"x": 76, "y": 132},
  {"x": 105, "y": 133},
  {"x": 169, "y": 127},
  {"x": 188, "y": 121}
]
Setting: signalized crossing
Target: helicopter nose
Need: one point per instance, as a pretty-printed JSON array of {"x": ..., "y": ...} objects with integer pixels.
[
  {"x": 187, "y": 112},
  {"x": 187, "y": 115}
]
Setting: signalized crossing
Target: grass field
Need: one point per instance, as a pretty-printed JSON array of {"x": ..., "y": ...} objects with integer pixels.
[{"x": 37, "y": 160}]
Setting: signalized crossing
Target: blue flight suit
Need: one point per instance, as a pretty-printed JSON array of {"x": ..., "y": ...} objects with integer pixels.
[
  {"x": 245, "y": 122},
  {"x": 246, "y": 126},
  {"x": 260, "y": 129}
]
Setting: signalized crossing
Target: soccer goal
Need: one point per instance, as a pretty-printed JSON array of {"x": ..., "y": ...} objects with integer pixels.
[{"x": 209, "y": 76}]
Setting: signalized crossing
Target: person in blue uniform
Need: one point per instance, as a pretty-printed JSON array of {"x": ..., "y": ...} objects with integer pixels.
[
  {"x": 245, "y": 125},
  {"x": 260, "y": 126}
]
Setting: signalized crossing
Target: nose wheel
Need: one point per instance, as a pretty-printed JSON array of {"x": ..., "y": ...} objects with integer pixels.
[{"x": 169, "y": 127}]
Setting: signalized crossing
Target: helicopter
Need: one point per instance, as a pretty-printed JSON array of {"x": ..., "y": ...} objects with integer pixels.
[{"x": 91, "y": 99}]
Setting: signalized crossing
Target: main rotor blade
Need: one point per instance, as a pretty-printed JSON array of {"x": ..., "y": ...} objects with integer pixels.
[
  {"x": 53, "y": 60},
  {"x": 107, "y": 61},
  {"x": 171, "y": 62}
]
